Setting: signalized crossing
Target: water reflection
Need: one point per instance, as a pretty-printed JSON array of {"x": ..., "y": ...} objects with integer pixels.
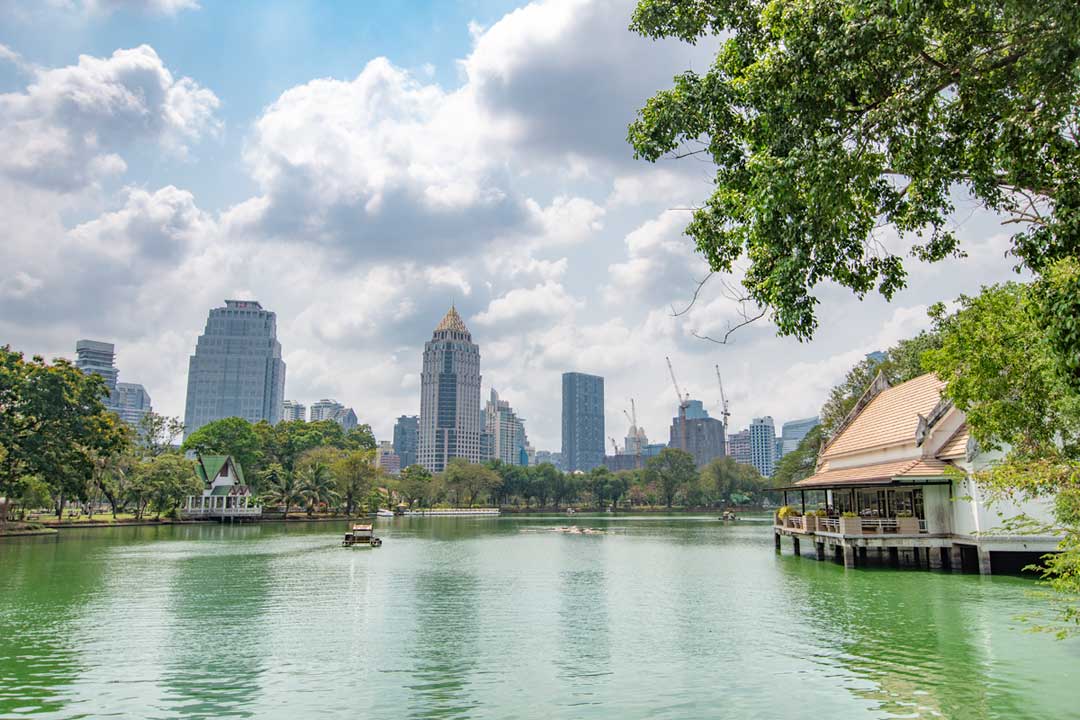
[
  {"x": 584, "y": 659},
  {"x": 903, "y": 635},
  {"x": 43, "y": 588},
  {"x": 218, "y": 601}
]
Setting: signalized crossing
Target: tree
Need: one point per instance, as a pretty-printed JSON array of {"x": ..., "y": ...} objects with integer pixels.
[
  {"x": 831, "y": 123},
  {"x": 355, "y": 472},
  {"x": 286, "y": 491},
  {"x": 671, "y": 470},
  {"x": 1003, "y": 369},
  {"x": 468, "y": 481},
  {"x": 52, "y": 426},
  {"x": 732, "y": 483},
  {"x": 171, "y": 479},
  {"x": 800, "y": 462},
  {"x": 414, "y": 483},
  {"x": 317, "y": 485},
  {"x": 157, "y": 433},
  {"x": 360, "y": 438},
  {"x": 228, "y": 436}
]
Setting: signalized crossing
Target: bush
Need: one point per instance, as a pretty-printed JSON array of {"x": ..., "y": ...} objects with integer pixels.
[
  {"x": 904, "y": 515},
  {"x": 849, "y": 514},
  {"x": 787, "y": 511},
  {"x": 821, "y": 512}
]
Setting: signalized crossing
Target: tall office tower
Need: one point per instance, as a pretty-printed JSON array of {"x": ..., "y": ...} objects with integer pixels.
[
  {"x": 237, "y": 370},
  {"x": 93, "y": 356},
  {"x": 704, "y": 438},
  {"x": 407, "y": 439},
  {"x": 582, "y": 421},
  {"x": 132, "y": 402},
  {"x": 795, "y": 430},
  {"x": 450, "y": 396},
  {"x": 292, "y": 410},
  {"x": 763, "y": 445},
  {"x": 738, "y": 447},
  {"x": 506, "y": 429}
]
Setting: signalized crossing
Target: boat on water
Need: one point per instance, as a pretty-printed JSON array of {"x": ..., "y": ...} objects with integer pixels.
[
  {"x": 363, "y": 535},
  {"x": 727, "y": 515},
  {"x": 570, "y": 511},
  {"x": 383, "y": 512}
]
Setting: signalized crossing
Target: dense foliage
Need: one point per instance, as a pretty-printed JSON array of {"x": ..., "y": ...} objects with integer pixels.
[{"x": 833, "y": 124}]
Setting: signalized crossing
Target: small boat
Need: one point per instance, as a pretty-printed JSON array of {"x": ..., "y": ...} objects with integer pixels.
[
  {"x": 570, "y": 511},
  {"x": 383, "y": 512},
  {"x": 361, "y": 535},
  {"x": 728, "y": 515}
]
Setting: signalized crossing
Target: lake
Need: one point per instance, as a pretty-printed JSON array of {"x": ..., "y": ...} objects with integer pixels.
[{"x": 660, "y": 617}]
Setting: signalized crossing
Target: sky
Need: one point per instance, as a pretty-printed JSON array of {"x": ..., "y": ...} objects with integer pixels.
[{"x": 357, "y": 167}]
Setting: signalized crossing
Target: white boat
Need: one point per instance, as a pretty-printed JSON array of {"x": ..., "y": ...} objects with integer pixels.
[{"x": 383, "y": 512}]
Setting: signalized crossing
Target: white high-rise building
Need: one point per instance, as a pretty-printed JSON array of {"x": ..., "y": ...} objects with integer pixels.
[
  {"x": 292, "y": 410},
  {"x": 327, "y": 409},
  {"x": 763, "y": 445},
  {"x": 506, "y": 429},
  {"x": 450, "y": 396}
]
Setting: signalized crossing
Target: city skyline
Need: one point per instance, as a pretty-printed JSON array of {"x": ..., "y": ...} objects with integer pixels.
[{"x": 242, "y": 178}]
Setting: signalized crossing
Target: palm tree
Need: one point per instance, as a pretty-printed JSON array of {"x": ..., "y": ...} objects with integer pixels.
[
  {"x": 284, "y": 490},
  {"x": 317, "y": 486}
]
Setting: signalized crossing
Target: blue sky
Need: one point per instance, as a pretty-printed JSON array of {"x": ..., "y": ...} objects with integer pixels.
[{"x": 355, "y": 166}]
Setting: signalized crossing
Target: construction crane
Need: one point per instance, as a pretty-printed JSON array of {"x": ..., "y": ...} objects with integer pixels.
[
  {"x": 683, "y": 404},
  {"x": 637, "y": 434},
  {"x": 723, "y": 399},
  {"x": 614, "y": 445}
]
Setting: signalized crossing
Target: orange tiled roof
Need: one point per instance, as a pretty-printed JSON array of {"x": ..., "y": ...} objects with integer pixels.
[
  {"x": 891, "y": 417},
  {"x": 956, "y": 446},
  {"x": 880, "y": 473}
]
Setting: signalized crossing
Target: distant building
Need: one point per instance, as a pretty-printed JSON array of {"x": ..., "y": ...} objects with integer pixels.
[
  {"x": 652, "y": 450},
  {"x": 128, "y": 400},
  {"x": 778, "y": 450},
  {"x": 621, "y": 461},
  {"x": 582, "y": 421},
  {"x": 407, "y": 439},
  {"x": 450, "y": 396},
  {"x": 327, "y": 409},
  {"x": 738, "y": 447},
  {"x": 795, "y": 430},
  {"x": 704, "y": 435},
  {"x": 763, "y": 445},
  {"x": 386, "y": 459},
  {"x": 292, "y": 410},
  {"x": 552, "y": 458},
  {"x": 506, "y": 430},
  {"x": 98, "y": 358},
  {"x": 132, "y": 403},
  {"x": 237, "y": 370}
]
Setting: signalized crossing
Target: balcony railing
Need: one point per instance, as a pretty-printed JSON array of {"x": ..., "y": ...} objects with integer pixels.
[
  {"x": 853, "y": 525},
  {"x": 226, "y": 512}
]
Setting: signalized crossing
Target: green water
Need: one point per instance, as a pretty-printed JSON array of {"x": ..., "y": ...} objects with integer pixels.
[{"x": 501, "y": 618}]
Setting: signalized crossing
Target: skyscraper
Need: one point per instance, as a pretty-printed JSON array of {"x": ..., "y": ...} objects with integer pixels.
[
  {"x": 763, "y": 445},
  {"x": 795, "y": 430},
  {"x": 98, "y": 358},
  {"x": 450, "y": 396},
  {"x": 327, "y": 409},
  {"x": 132, "y": 402},
  {"x": 582, "y": 421},
  {"x": 738, "y": 447},
  {"x": 407, "y": 439},
  {"x": 704, "y": 434},
  {"x": 506, "y": 429},
  {"x": 237, "y": 370},
  {"x": 292, "y": 410}
]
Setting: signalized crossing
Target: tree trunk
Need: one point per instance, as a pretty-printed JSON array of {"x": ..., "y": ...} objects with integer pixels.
[{"x": 60, "y": 507}]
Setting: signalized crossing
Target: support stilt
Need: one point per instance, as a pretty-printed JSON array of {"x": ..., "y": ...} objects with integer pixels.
[
  {"x": 956, "y": 558},
  {"x": 936, "y": 558},
  {"x": 849, "y": 556},
  {"x": 795, "y": 545},
  {"x": 984, "y": 562},
  {"x": 820, "y": 547}
]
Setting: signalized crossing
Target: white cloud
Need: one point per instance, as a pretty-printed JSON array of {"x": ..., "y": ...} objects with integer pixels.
[
  {"x": 65, "y": 130},
  {"x": 523, "y": 306}
]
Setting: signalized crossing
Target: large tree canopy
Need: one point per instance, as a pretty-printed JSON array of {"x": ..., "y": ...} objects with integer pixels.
[{"x": 832, "y": 122}]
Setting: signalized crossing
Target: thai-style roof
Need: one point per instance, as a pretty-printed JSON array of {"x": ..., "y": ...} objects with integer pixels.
[
  {"x": 891, "y": 417},
  {"x": 955, "y": 446},
  {"x": 880, "y": 473},
  {"x": 207, "y": 467},
  {"x": 452, "y": 322}
]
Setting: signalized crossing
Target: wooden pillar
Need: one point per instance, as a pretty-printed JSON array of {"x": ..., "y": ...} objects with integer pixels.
[
  {"x": 795, "y": 544},
  {"x": 956, "y": 558},
  {"x": 849, "y": 556},
  {"x": 820, "y": 547},
  {"x": 984, "y": 562}
]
